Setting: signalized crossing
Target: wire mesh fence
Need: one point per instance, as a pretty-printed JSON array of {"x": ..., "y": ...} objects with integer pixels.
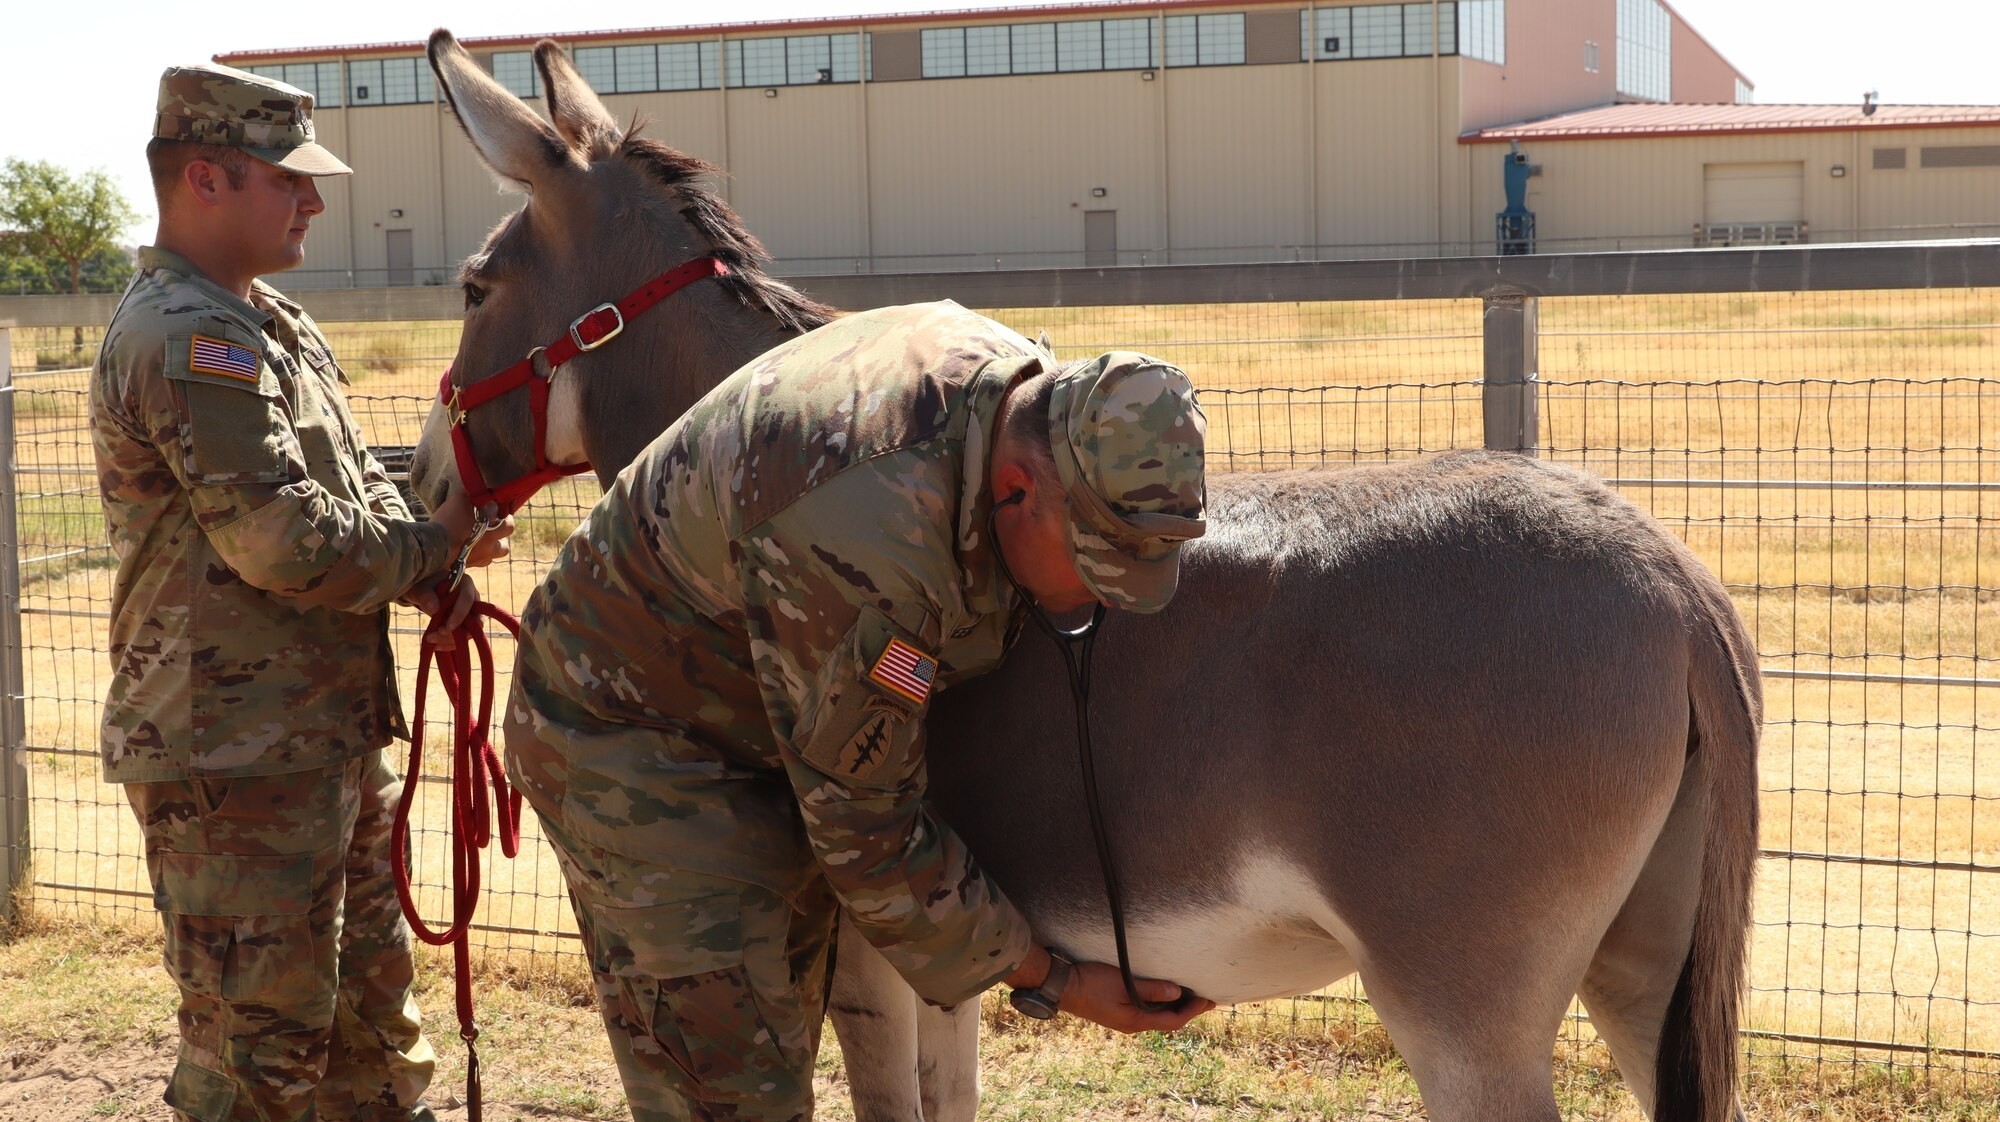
[{"x": 1834, "y": 457}]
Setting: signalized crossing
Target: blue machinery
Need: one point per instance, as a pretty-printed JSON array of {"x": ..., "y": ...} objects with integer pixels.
[{"x": 1514, "y": 228}]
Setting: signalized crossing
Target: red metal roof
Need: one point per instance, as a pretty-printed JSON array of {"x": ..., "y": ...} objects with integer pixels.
[
  {"x": 1653, "y": 120},
  {"x": 711, "y": 30}
]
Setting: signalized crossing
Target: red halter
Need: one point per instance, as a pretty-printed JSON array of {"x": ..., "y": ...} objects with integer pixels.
[{"x": 588, "y": 332}]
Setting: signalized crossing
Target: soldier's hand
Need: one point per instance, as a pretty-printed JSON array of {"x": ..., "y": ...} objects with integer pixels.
[
  {"x": 441, "y": 635},
  {"x": 456, "y": 515},
  {"x": 496, "y": 543},
  {"x": 1096, "y": 992}
]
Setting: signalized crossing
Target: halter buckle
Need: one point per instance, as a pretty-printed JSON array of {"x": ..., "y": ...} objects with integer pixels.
[
  {"x": 454, "y": 413},
  {"x": 576, "y": 328}
]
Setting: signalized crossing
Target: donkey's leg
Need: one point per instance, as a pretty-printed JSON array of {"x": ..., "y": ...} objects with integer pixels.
[
  {"x": 1632, "y": 976},
  {"x": 948, "y": 1060},
  {"x": 1478, "y": 1040},
  {"x": 875, "y": 1016}
]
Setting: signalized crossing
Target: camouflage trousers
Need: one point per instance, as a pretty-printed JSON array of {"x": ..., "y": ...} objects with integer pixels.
[
  {"x": 712, "y": 989},
  {"x": 285, "y": 936}
]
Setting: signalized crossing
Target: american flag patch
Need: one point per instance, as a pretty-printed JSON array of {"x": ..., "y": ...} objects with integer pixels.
[
  {"x": 214, "y": 356},
  {"x": 905, "y": 670}
]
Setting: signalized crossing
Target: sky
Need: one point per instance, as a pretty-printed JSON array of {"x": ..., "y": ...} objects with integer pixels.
[{"x": 112, "y": 51}]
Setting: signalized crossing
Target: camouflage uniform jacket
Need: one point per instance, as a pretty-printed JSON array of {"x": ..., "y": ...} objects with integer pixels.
[
  {"x": 821, "y": 511},
  {"x": 258, "y": 541}
]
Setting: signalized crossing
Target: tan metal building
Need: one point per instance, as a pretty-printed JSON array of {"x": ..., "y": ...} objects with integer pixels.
[{"x": 1182, "y": 131}]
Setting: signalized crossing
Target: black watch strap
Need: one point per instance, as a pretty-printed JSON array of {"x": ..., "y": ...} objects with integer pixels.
[{"x": 1044, "y": 1001}]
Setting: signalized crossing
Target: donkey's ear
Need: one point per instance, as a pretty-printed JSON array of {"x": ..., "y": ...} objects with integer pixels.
[
  {"x": 514, "y": 142},
  {"x": 573, "y": 106}
]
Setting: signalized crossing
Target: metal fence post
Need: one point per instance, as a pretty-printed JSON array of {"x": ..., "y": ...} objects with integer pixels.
[
  {"x": 14, "y": 839},
  {"x": 1510, "y": 401}
]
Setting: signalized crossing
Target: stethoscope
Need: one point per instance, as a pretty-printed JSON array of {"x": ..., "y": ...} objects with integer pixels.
[{"x": 1077, "y": 645}]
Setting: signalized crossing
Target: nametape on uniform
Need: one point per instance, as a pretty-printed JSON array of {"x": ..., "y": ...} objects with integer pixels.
[
  {"x": 217, "y": 356},
  {"x": 905, "y": 670}
]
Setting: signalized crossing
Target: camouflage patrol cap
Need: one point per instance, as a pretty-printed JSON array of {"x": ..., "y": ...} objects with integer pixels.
[
  {"x": 1127, "y": 437},
  {"x": 209, "y": 103}
]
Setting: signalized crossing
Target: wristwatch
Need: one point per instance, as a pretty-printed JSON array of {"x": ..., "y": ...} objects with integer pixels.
[{"x": 1041, "y": 1002}]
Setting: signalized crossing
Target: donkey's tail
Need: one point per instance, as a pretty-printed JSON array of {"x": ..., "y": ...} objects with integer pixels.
[{"x": 1697, "y": 1066}]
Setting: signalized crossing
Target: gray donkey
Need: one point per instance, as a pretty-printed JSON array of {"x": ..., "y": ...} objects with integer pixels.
[{"x": 1472, "y": 726}]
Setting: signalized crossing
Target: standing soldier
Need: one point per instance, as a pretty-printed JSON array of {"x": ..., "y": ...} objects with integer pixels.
[
  {"x": 719, "y": 703},
  {"x": 253, "y": 688}
]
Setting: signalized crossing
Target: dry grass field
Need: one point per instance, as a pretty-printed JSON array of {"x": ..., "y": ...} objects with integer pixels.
[{"x": 1892, "y": 573}]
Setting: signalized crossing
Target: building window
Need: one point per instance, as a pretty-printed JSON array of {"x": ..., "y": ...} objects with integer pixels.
[
  {"x": 1482, "y": 30},
  {"x": 1205, "y": 40},
  {"x": 1378, "y": 31},
  {"x": 1128, "y": 44},
  {"x": 514, "y": 70},
  {"x": 1041, "y": 48},
  {"x": 755, "y": 62},
  {"x": 1384, "y": 31},
  {"x": 1080, "y": 46},
  {"x": 598, "y": 65},
  {"x": 1420, "y": 20},
  {"x": 1590, "y": 57},
  {"x": 1645, "y": 50},
  {"x": 320, "y": 79},
  {"x": 988, "y": 50},
  {"x": 944, "y": 52},
  {"x": 1892, "y": 159},
  {"x": 389, "y": 81},
  {"x": 1034, "y": 48},
  {"x": 1746, "y": 93},
  {"x": 792, "y": 60}
]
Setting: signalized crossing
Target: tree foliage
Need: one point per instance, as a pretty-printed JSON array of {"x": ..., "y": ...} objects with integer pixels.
[{"x": 60, "y": 230}]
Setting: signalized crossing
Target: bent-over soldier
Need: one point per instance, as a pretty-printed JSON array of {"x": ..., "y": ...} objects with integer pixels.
[
  {"x": 253, "y": 688},
  {"x": 718, "y": 709}
]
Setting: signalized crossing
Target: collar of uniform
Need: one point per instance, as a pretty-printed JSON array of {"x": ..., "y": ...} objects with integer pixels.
[
  {"x": 978, "y": 571},
  {"x": 153, "y": 257},
  {"x": 259, "y": 291}
]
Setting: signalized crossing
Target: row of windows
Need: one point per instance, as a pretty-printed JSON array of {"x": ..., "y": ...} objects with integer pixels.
[
  {"x": 1039, "y": 48},
  {"x": 1404, "y": 30},
  {"x": 378, "y": 81},
  {"x": 1379, "y": 31},
  {"x": 1645, "y": 50},
  {"x": 1081, "y": 45},
  {"x": 320, "y": 79}
]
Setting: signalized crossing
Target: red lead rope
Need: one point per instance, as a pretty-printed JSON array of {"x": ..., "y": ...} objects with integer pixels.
[{"x": 474, "y": 764}]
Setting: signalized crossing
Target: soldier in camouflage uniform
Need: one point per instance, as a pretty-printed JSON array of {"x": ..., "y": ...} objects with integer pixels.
[
  {"x": 718, "y": 708},
  {"x": 259, "y": 545}
]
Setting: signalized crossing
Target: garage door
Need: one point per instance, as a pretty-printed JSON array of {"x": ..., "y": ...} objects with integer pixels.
[
  {"x": 1737, "y": 193},
  {"x": 1753, "y": 204}
]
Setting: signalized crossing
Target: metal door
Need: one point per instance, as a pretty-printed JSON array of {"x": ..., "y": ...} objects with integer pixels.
[
  {"x": 1100, "y": 237},
  {"x": 402, "y": 258}
]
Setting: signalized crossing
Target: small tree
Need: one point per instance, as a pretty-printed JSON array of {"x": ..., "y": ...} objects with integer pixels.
[{"x": 54, "y": 216}]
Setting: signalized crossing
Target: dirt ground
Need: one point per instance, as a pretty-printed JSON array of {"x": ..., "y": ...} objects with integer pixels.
[{"x": 71, "y": 1083}]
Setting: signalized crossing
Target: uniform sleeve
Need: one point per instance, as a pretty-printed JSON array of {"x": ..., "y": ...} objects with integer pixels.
[
  {"x": 230, "y": 441},
  {"x": 855, "y": 756},
  {"x": 384, "y": 497}
]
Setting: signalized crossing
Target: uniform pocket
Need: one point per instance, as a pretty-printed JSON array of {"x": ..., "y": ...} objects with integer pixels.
[
  {"x": 239, "y": 929},
  {"x": 678, "y": 970},
  {"x": 201, "y": 1094}
]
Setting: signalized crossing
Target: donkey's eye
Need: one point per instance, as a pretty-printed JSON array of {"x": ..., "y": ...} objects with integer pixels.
[{"x": 474, "y": 296}]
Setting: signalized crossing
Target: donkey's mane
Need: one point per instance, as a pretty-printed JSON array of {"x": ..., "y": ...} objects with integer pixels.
[{"x": 728, "y": 240}]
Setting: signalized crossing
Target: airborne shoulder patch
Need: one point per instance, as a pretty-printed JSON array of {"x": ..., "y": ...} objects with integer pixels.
[
  {"x": 905, "y": 671},
  {"x": 208, "y": 355}
]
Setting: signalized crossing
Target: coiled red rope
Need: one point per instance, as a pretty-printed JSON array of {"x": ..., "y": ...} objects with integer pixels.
[{"x": 474, "y": 767}]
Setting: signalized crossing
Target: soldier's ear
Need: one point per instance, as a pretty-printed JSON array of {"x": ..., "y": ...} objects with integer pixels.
[{"x": 204, "y": 181}]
